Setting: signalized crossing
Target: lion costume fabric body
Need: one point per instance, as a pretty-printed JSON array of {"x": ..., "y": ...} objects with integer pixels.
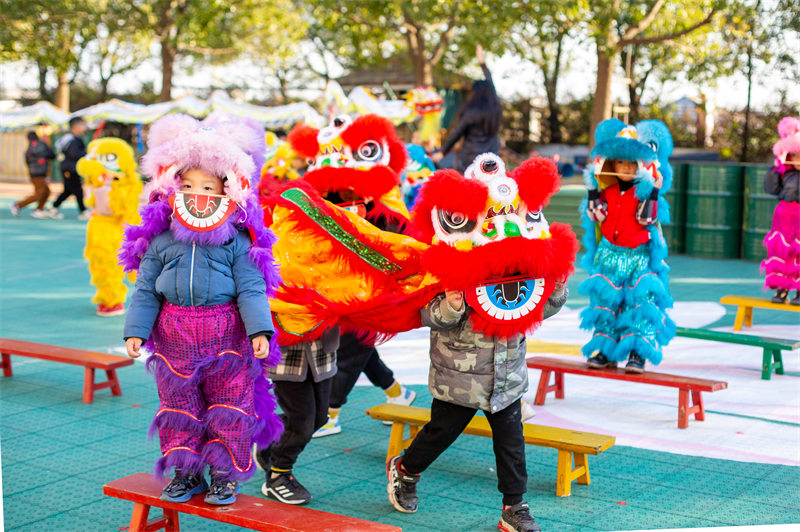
[
  {"x": 628, "y": 284},
  {"x": 109, "y": 168},
  {"x": 339, "y": 269}
]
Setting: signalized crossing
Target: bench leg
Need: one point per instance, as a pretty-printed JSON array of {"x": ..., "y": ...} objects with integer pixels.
[
  {"x": 139, "y": 517},
  {"x": 112, "y": 378},
  {"x": 541, "y": 391},
  {"x": 683, "y": 408},
  {"x": 563, "y": 482},
  {"x": 559, "y": 385},
  {"x": 6, "y": 365},
  {"x": 697, "y": 406},
  {"x": 766, "y": 365},
  {"x": 395, "y": 440},
  {"x": 567, "y": 473},
  {"x": 740, "y": 312},
  {"x": 748, "y": 317},
  {"x": 778, "y": 361},
  {"x": 582, "y": 461},
  {"x": 545, "y": 387},
  {"x": 88, "y": 385}
]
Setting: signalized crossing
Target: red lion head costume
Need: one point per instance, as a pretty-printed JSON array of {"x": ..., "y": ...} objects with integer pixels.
[
  {"x": 355, "y": 163},
  {"x": 491, "y": 240}
]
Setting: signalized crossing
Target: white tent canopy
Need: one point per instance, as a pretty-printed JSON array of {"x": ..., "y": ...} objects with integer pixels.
[
  {"x": 32, "y": 116},
  {"x": 115, "y": 110}
]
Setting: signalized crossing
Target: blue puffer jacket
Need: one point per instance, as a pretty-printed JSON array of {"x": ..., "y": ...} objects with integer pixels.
[{"x": 193, "y": 275}]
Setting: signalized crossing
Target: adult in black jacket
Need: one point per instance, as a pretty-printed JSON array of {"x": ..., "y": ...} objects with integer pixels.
[
  {"x": 478, "y": 124},
  {"x": 37, "y": 158},
  {"x": 73, "y": 148}
]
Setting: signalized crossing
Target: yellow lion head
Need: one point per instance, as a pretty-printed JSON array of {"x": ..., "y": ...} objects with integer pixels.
[{"x": 110, "y": 162}]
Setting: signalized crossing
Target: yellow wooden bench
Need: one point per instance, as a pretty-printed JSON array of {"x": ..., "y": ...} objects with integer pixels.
[
  {"x": 744, "y": 314},
  {"x": 572, "y": 445}
]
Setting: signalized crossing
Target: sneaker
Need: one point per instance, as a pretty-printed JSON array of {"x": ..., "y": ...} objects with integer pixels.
[
  {"x": 110, "y": 310},
  {"x": 780, "y": 296},
  {"x": 518, "y": 518},
  {"x": 332, "y": 426},
  {"x": 527, "y": 410},
  {"x": 261, "y": 458},
  {"x": 402, "y": 487},
  {"x": 14, "y": 209},
  {"x": 599, "y": 361},
  {"x": 796, "y": 299},
  {"x": 286, "y": 489},
  {"x": 85, "y": 215},
  {"x": 54, "y": 214},
  {"x": 222, "y": 491},
  {"x": 635, "y": 364},
  {"x": 405, "y": 398},
  {"x": 183, "y": 487},
  {"x": 40, "y": 214}
]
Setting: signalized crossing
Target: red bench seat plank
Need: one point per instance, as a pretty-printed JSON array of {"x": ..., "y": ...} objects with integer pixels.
[
  {"x": 648, "y": 377},
  {"x": 67, "y": 355},
  {"x": 249, "y": 512}
]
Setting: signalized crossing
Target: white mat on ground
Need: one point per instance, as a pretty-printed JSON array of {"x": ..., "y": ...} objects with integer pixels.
[{"x": 753, "y": 420}]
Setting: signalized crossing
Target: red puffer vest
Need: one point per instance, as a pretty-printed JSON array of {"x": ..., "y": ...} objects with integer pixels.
[{"x": 620, "y": 226}]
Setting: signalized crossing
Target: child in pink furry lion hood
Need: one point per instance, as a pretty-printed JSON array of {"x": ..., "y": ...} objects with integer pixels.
[
  {"x": 782, "y": 265},
  {"x": 205, "y": 270}
]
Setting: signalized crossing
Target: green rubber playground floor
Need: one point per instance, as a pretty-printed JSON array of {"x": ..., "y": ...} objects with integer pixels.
[{"x": 57, "y": 453}]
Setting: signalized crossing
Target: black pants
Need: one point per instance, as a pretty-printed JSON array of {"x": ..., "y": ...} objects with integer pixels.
[
  {"x": 353, "y": 357},
  {"x": 72, "y": 186},
  {"x": 449, "y": 420},
  {"x": 305, "y": 409}
]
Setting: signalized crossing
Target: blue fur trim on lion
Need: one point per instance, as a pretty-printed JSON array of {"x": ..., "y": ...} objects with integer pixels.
[{"x": 588, "y": 176}]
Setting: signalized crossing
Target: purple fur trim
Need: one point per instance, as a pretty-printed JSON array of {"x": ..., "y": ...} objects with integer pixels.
[
  {"x": 175, "y": 421},
  {"x": 270, "y": 426},
  {"x": 158, "y": 367},
  {"x": 187, "y": 461},
  {"x": 217, "y": 456},
  {"x": 155, "y": 220},
  {"x": 274, "y": 356}
]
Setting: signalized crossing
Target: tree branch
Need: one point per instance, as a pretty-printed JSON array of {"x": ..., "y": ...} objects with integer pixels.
[
  {"x": 671, "y": 36},
  {"x": 446, "y": 35},
  {"x": 643, "y": 24}
]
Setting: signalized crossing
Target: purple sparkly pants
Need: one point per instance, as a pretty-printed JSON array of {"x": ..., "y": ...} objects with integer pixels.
[{"x": 215, "y": 401}]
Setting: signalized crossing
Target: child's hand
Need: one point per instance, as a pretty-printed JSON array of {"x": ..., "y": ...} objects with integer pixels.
[
  {"x": 260, "y": 346},
  {"x": 455, "y": 299},
  {"x": 132, "y": 345}
]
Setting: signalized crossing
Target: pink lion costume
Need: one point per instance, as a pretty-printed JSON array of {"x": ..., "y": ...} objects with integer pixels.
[
  {"x": 782, "y": 266},
  {"x": 198, "y": 319}
]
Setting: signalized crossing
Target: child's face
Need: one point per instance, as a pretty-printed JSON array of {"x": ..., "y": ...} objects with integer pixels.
[
  {"x": 197, "y": 181},
  {"x": 625, "y": 170},
  {"x": 793, "y": 159}
]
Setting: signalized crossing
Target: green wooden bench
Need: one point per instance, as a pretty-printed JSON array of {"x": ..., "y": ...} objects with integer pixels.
[{"x": 772, "y": 347}]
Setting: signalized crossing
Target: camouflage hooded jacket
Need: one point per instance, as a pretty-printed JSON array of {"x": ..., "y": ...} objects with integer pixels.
[{"x": 471, "y": 369}]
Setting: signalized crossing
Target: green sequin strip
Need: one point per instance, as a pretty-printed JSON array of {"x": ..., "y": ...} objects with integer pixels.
[{"x": 364, "y": 252}]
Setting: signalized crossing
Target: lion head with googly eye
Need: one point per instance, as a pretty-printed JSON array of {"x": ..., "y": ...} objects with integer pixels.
[
  {"x": 355, "y": 163},
  {"x": 491, "y": 240}
]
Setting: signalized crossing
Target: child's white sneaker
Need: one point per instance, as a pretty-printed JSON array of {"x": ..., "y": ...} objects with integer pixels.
[
  {"x": 14, "y": 209},
  {"x": 527, "y": 410},
  {"x": 85, "y": 215},
  {"x": 331, "y": 427},
  {"x": 54, "y": 214},
  {"x": 405, "y": 398},
  {"x": 40, "y": 214}
]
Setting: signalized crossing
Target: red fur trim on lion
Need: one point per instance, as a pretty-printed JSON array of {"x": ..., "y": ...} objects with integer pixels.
[
  {"x": 549, "y": 257},
  {"x": 303, "y": 140},
  {"x": 538, "y": 180},
  {"x": 450, "y": 191},
  {"x": 380, "y": 210},
  {"x": 368, "y": 319},
  {"x": 372, "y": 183},
  {"x": 374, "y": 127}
]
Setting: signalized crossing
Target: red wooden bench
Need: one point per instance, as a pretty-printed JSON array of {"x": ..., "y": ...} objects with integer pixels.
[
  {"x": 685, "y": 385},
  {"x": 90, "y": 360},
  {"x": 254, "y": 513}
]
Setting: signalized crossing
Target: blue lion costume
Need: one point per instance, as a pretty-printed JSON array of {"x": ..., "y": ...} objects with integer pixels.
[
  {"x": 418, "y": 169},
  {"x": 625, "y": 250}
]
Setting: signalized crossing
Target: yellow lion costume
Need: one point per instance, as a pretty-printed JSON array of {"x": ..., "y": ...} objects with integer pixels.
[{"x": 109, "y": 168}]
